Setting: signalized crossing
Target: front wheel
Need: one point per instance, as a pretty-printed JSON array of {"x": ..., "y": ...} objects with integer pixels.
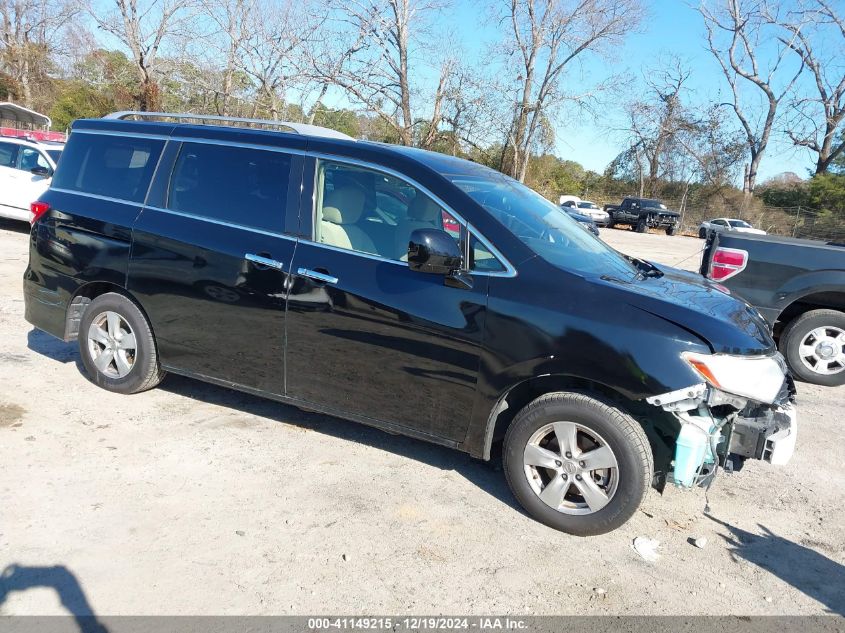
[
  {"x": 117, "y": 346},
  {"x": 671, "y": 230},
  {"x": 702, "y": 233},
  {"x": 814, "y": 347},
  {"x": 576, "y": 463},
  {"x": 642, "y": 226}
]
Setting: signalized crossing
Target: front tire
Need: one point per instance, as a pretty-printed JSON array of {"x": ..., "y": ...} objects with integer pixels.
[
  {"x": 702, "y": 234},
  {"x": 814, "y": 347},
  {"x": 671, "y": 230},
  {"x": 577, "y": 463},
  {"x": 642, "y": 226},
  {"x": 117, "y": 346}
]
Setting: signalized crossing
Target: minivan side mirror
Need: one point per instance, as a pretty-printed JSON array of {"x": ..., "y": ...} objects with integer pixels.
[
  {"x": 434, "y": 251},
  {"x": 38, "y": 170}
]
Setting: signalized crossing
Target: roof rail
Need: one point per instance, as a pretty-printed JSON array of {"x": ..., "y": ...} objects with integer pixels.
[{"x": 297, "y": 128}]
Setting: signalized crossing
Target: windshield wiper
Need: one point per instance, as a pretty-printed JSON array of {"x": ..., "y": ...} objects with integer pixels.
[{"x": 644, "y": 268}]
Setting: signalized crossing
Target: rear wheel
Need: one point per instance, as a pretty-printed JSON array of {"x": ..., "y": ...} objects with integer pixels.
[
  {"x": 814, "y": 347},
  {"x": 702, "y": 233},
  {"x": 671, "y": 230},
  {"x": 117, "y": 345},
  {"x": 642, "y": 226},
  {"x": 576, "y": 463}
]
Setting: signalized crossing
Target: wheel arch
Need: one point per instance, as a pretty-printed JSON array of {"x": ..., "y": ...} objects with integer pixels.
[
  {"x": 84, "y": 295},
  {"x": 660, "y": 427},
  {"x": 832, "y": 298}
]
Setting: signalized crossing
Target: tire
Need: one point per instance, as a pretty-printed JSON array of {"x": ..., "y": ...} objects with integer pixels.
[
  {"x": 702, "y": 233},
  {"x": 106, "y": 330},
  {"x": 806, "y": 331},
  {"x": 671, "y": 230},
  {"x": 610, "y": 223},
  {"x": 597, "y": 424},
  {"x": 642, "y": 225}
]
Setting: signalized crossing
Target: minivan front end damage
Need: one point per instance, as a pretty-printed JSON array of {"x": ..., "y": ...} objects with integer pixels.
[{"x": 743, "y": 409}]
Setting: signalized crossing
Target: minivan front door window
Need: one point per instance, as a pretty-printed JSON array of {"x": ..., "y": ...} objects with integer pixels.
[{"x": 372, "y": 212}]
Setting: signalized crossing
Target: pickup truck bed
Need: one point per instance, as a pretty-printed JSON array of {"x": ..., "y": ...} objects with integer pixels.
[{"x": 798, "y": 286}]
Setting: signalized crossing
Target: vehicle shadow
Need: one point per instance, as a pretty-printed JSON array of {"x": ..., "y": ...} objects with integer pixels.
[
  {"x": 14, "y": 226},
  {"x": 485, "y": 475},
  {"x": 807, "y": 570},
  {"x": 53, "y": 348},
  {"x": 15, "y": 578}
]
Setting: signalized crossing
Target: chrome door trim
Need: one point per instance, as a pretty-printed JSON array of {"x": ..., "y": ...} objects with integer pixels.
[
  {"x": 234, "y": 225},
  {"x": 317, "y": 276},
  {"x": 264, "y": 261}
]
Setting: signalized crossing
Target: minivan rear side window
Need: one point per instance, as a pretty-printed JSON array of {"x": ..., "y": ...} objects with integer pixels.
[
  {"x": 112, "y": 166},
  {"x": 241, "y": 185}
]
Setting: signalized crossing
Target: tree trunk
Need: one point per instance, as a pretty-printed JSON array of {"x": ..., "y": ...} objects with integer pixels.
[{"x": 406, "y": 133}]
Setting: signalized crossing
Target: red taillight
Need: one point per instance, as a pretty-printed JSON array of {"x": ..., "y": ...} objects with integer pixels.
[
  {"x": 727, "y": 262},
  {"x": 38, "y": 209}
]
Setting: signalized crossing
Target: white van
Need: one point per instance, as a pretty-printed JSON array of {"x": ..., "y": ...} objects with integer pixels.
[{"x": 26, "y": 169}]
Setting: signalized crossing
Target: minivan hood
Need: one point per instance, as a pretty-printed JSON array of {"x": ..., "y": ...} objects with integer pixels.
[{"x": 690, "y": 301}]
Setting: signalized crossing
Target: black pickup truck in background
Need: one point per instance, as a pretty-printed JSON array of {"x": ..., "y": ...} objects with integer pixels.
[
  {"x": 643, "y": 214},
  {"x": 799, "y": 288}
]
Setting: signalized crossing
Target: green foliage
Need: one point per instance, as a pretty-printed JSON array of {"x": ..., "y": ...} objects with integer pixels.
[
  {"x": 827, "y": 194},
  {"x": 345, "y": 121},
  {"x": 78, "y": 100}
]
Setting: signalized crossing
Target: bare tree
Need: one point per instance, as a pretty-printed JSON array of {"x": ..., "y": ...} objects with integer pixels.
[
  {"x": 144, "y": 27},
  {"x": 28, "y": 29},
  {"x": 373, "y": 66},
  {"x": 743, "y": 24},
  {"x": 657, "y": 119},
  {"x": 818, "y": 119},
  {"x": 546, "y": 37},
  {"x": 233, "y": 21},
  {"x": 273, "y": 54}
]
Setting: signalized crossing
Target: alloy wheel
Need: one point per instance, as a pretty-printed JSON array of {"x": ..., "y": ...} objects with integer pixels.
[
  {"x": 571, "y": 468},
  {"x": 111, "y": 344}
]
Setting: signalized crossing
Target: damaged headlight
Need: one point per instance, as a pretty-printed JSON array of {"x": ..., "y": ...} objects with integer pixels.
[{"x": 758, "y": 378}]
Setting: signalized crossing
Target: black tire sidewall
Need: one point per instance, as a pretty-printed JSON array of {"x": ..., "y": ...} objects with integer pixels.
[
  {"x": 631, "y": 488},
  {"x": 641, "y": 226},
  {"x": 145, "y": 354},
  {"x": 795, "y": 332}
]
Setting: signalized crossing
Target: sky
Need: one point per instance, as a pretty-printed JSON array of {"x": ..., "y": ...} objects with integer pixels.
[{"x": 673, "y": 26}]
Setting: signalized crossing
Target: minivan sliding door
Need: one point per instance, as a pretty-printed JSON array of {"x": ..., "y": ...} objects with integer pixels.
[{"x": 211, "y": 260}]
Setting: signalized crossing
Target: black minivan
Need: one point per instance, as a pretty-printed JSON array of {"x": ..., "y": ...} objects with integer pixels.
[{"x": 409, "y": 290}]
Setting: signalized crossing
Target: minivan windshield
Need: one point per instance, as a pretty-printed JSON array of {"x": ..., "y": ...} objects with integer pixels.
[{"x": 544, "y": 227}]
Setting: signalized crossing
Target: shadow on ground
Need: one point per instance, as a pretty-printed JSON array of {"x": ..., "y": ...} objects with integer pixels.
[
  {"x": 487, "y": 476},
  {"x": 16, "y": 578},
  {"x": 14, "y": 226},
  {"x": 53, "y": 348},
  {"x": 807, "y": 570}
]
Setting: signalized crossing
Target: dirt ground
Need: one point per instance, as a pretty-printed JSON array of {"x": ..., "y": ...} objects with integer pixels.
[{"x": 193, "y": 499}]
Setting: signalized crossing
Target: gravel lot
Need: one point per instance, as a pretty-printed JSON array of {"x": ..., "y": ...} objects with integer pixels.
[{"x": 194, "y": 499}]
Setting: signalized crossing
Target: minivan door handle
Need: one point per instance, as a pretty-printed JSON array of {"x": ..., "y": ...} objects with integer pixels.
[
  {"x": 264, "y": 261},
  {"x": 316, "y": 275}
]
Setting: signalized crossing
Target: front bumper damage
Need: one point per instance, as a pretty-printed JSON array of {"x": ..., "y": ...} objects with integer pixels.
[{"x": 721, "y": 429}]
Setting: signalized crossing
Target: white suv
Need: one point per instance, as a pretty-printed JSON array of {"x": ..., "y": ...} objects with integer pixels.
[{"x": 26, "y": 168}]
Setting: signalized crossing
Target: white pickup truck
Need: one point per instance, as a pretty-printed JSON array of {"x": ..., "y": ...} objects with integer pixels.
[{"x": 26, "y": 168}]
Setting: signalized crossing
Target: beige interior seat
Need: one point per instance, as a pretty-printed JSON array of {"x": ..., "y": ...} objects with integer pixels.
[
  {"x": 423, "y": 213},
  {"x": 342, "y": 209}
]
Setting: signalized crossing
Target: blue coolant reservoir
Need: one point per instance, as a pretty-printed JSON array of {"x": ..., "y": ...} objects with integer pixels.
[{"x": 690, "y": 449}]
